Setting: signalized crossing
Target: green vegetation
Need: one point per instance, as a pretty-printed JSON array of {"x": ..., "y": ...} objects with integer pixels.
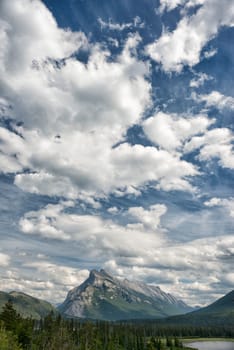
[
  {"x": 219, "y": 313},
  {"x": 26, "y": 305},
  {"x": 8, "y": 341},
  {"x": 55, "y": 333}
]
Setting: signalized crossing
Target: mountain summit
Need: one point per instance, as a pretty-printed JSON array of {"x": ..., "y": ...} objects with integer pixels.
[{"x": 102, "y": 296}]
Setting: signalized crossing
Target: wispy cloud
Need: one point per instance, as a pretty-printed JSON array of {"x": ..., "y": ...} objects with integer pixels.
[
  {"x": 215, "y": 99},
  {"x": 137, "y": 23}
]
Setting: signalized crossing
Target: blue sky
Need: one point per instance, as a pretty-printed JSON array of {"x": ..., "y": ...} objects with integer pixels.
[{"x": 116, "y": 144}]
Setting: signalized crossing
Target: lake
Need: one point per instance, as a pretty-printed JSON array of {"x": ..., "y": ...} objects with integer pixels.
[{"x": 212, "y": 345}]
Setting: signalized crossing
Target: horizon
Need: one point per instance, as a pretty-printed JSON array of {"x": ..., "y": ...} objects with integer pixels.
[
  {"x": 116, "y": 145},
  {"x": 195, "y": 306}
]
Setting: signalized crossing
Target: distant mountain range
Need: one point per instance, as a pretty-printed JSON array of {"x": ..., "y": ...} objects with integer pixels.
[
  {"x": 105, "y": 297},
  {"x": 26, "y": 305}
]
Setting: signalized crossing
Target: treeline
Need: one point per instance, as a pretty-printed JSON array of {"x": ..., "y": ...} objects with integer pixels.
[{"x": 57, "y": 333}]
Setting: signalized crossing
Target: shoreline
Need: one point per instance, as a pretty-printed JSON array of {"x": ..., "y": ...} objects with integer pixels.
[{"x": 199, "y": 339}]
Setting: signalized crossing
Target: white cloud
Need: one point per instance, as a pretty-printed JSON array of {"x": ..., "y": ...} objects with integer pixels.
[
  {"x": 213, "y": 202},
  {"x": 227, "y": 203},
  {"x": 171, "y": 131},
  {"x": 216, "y": 99},
  {"x": 137, "y": 165},
  {"x": 24, "y": 20},
  {"x": 43, "y": 280},
  {"x": 210, "y": 53},
  {"x": 216, "y": 143},
  {"x": 178, "y": 134},
  {"x": 113, "y": 210},
  {"x": 149, "y": 218},
  {"x": 137, "y": 23},
  {"x": 47, "y": 184},
  {"x": 4, "y": 259},
  {"x": 114, "y": 26},
  {"x": 96, "y": 237},
  {"x": 169, "y": 5},
  {"x": 184, "y": 45},
  {"x": 199, "y": 80},
  {"x": 69, "y": 169},
  {"x": 59, "y": 275},
  {"x": 180, "y": 268},
  {"x": 74, "y": 114}
]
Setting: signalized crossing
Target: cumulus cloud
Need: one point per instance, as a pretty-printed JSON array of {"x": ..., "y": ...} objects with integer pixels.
[
  {"x": 150, "y": 219},
  {"x": 58, "y": 274},
  {"x": 216, "y": 99},
  {"x": 169, "y": 5},
  {"x": 216, "y": 143},
  {"x": 24, "y": 20},
  {"x": 138, "y": 163},
  {"x": 170, "y": 131},
  {"x": 180, "y": 269},
  {"x": 186, "y": 134},
  {"x": 227, "y": 203},
  {"x": 73, "y": 114},
  {"x": 97, "y": 237},
  {"x": 113, "y": 210},
  {"x": 184, "y": 45},
  {"x": 43, "y": 279}
]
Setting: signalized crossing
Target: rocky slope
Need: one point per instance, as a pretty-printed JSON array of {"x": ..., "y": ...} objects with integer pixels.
[
  {"x": 26, "y": 305},
  {"x": 104, "y": 297}
]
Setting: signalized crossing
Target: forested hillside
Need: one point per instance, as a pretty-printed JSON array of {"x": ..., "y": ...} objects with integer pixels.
[{"x": 55, "y": 333}]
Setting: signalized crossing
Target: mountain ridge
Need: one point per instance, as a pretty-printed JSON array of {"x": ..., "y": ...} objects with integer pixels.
[
  {"x": 219, "y": 312},
  {"x": 102, "y": 296},
  {"x": 26, "y": 305}
]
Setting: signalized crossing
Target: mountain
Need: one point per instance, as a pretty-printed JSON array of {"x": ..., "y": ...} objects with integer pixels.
[
  {"x": 221, "y": 312},
  {"x": 26, "y": 305},
  {"x": 105, "y": 297}
]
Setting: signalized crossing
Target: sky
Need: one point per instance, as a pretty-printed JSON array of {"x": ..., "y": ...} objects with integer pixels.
[{"x": 116, "y": 145}]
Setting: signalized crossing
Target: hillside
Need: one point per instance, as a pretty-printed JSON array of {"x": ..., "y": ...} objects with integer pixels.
[
  {"x": 221, "y": 312},
  {"x": 26, "y": 305},
  {"x": 105, "y": 297}
]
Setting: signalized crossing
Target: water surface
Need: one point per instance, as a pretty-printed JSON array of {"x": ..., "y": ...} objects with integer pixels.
[{"x": 212, "y": 345}]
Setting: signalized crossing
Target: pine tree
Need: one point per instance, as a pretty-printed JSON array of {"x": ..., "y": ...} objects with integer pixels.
[{"x": 10, "y": 317}]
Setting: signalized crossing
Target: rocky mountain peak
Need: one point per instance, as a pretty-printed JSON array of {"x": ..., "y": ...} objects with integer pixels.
[
  {"x": 106, "y": 297},
  {"x": 102, "y": 274}
]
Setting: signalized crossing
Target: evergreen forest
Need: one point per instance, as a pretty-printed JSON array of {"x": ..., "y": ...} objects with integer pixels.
[{"x": 56, "y": 333}]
